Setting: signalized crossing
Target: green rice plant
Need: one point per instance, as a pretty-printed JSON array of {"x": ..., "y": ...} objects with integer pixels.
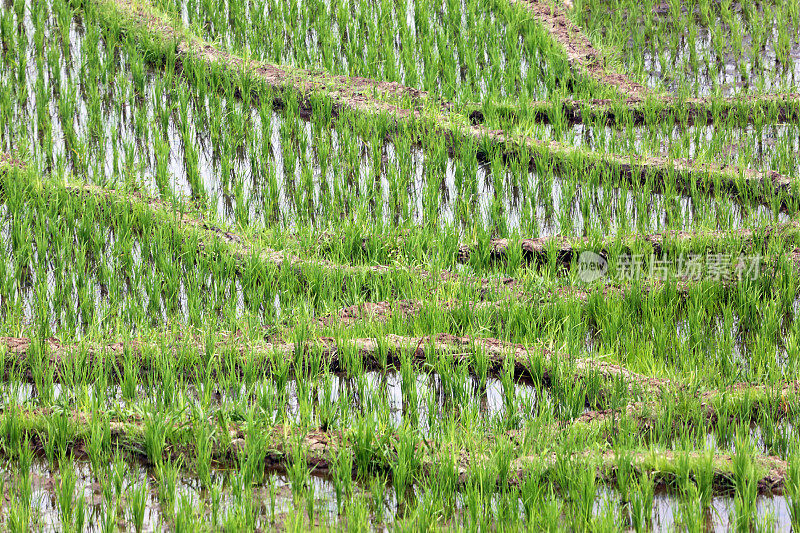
[
  {"x": 298, "y": 471},
  {"x": 203, "y": 441},
  {"x": 704, "y": 477},
  {"x": 550, "y": 513},
  {"x": 215, "y": 497},
  {"x": 793, "y": 490},
  {"x": 684, "y": 474},
  {"x": 98, "y": 445},
  {"x": 138, "y": 504},
  {"x": 130, "y": 377},
  {"x": 273, "y": 490},
  {"x": 156, "y": 427},
  {"x": 185, "y": 519},
  {"x": 532, "y": 493},
  {"x": 79, "y": 520},
  {"x": 118, "y": 473},
  {"x": 58, "y": 435},
  {"x": 503, "y": 454},
  {"x": 108, "y": 521},
  {"x": 607, "y": 518},
  {"x": 363, "y": 442},
  {"x": 251, "y": 463},
  {"x": 12, "y": 430},
  {"x": 326, "y": 409},
  {"x": 167, "y": 475},
  {"x": 19, "y": 516},
  {"x": 357, "y": 515},
  {"x": 475, "y": 503},
  {"x": 744, "y": 476},
  {"x": 304, "y": 400},
  {"x": 378, "y": 491},
  {"x": 242, "y": 516},
  {"x": 582, "y": 490},
  {"x": 342, "y": 477},
  {"x": 692, "y": 516},
  {"x": 642, "y": 499},
  {"x": 43, "y": 380},
  {"x": 66, "y": 493},
  {"x": 624, "y": 475}
]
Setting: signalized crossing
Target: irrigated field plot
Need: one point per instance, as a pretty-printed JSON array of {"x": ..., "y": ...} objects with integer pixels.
[{"x": 399, "y": 264}]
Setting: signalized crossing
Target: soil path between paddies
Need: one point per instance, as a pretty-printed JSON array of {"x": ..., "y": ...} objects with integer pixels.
[
  {"x": 581, "y": 54},
  {"x": 565, "y": 248},
  {"x": 509, "y": 290},
  {"x": 482, "y": 356},
  {"x": 281, "y": 445}
]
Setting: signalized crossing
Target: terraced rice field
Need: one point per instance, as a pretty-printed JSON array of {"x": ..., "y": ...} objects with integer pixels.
[{"x": 399, "y": 265}]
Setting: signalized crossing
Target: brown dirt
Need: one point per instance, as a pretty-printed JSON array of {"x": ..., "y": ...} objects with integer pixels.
[
  {"x": 373, "y": 311},
  {"x": 382, "y": 311},
  {"x": 763, "y": 397},
  {"x": 10, "y": 160},
  {"x": 581, "y": 54}
]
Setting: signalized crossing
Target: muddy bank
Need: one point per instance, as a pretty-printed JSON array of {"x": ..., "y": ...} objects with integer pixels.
[
  {"x": 741, "y": 402},
  {"x": 637, "y": 111},
  {"x": 565, "y": 248},
  {"x": 490, "y": 293},
  {"x": 241, "y": 248},
  {"x": 482, "y": 356},
  {"x": 281, "y": 446},
  {"x": 662, "y": 465}
]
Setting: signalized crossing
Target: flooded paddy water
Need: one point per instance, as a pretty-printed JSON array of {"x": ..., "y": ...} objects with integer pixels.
[
  {"x": 706, "y": 47},
  {"x": 133, "y": 127},
  {"x": 144, "y": 499},
  {"x": 138, "y": 500}
]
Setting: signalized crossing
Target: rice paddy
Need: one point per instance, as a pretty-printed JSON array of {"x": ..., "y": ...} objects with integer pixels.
[{"x": 402, "y": 265}]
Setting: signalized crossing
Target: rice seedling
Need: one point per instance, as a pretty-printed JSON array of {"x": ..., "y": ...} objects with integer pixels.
[
  {"x": 138, "y": 501},
  {"x": 167, "y": 477},
  {"x": 642, "y": 498}
]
